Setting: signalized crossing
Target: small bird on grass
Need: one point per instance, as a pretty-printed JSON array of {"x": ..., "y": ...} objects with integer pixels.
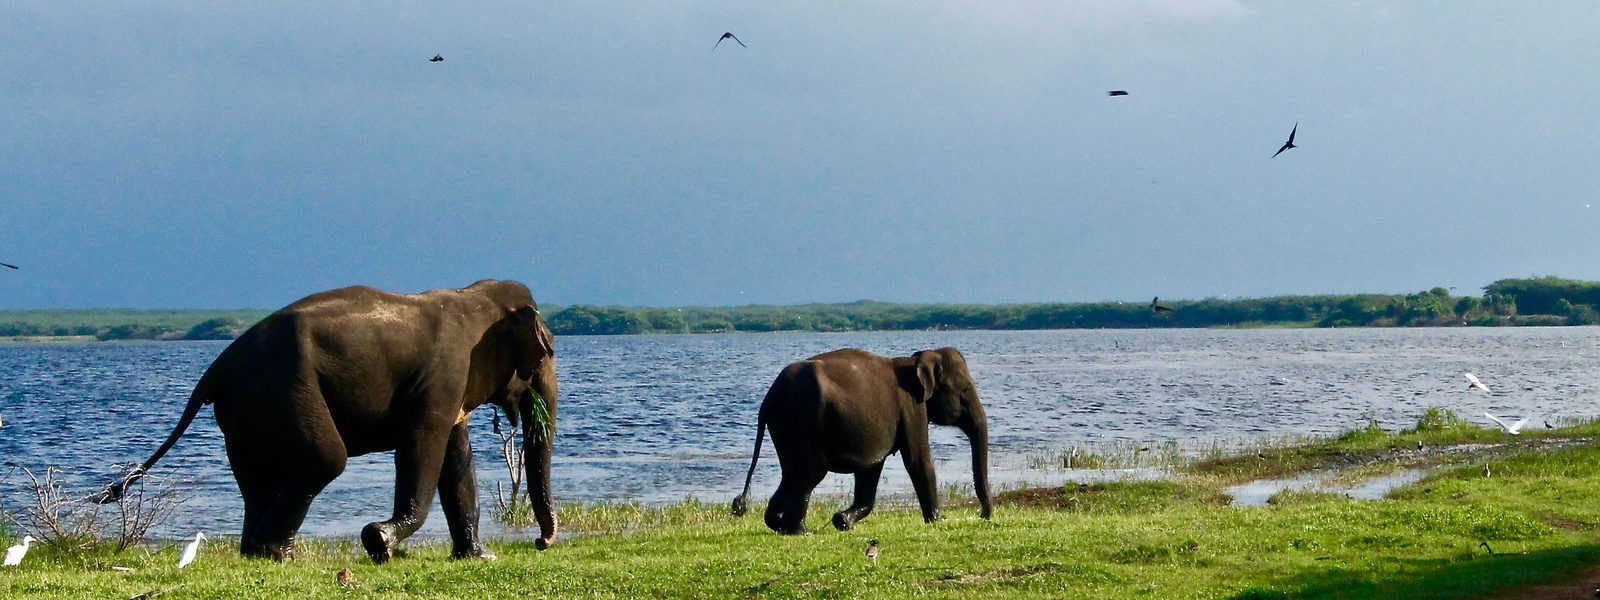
[
  {"x": 1155, "y": 305},
  {"x": 872, "y": 551},
  {"x": 1513, "y": 429},
  {"x": 15, "y": 553},
  {"x": 437, "y": 58},
  {"x": 347, "y": 578},
  {"x": 727, "y": 36},
  {"x": 1472, "y": 382},
  {"x": 1289, "y": 144},
  {"x": 191, "y": 551}
]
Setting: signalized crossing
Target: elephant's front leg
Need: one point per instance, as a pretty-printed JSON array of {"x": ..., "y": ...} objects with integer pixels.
[
  {"x": 417, "y": 467},
  {"x": 919, "y": 465},
  {"x": 458, "y": 493},
  {"x": 866, "y": 498}
]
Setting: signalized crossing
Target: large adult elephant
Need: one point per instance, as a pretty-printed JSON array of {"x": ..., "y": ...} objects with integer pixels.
[
  {"x": 846, "y": 411},
  {"x": 356, "y": 370}
]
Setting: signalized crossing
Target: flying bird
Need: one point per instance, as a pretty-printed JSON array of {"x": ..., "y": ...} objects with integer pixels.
[
  {"x": 1472, "y": 382},
  {"x": 727, "y": 36},
  {"x": 8, "y": 266},
  {"x": 191, "y": 550},
  {"x": 872, "y": 550},
  {"x": 347, "y": 578},
  {"x": 1157, "y": 307},
  {"x": 1513, "y": 429},
  {"x": 1117, "y": 93},
  {"x": 436, "y": 58},
  {"x": 15, "y": 553},
  {"x": 1289, "y": 144}
]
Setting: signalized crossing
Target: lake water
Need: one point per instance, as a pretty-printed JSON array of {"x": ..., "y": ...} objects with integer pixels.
[{"x": 663, "y": 418}]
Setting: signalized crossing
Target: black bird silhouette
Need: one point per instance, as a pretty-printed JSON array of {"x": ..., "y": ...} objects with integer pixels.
[
  {"x": 1117, "y": 93},
  {"x": 1157, "y": 307},
  {"x": 436, "y": 58},
  {"x": 8, "y": 266},
  {"x": 1289, "y": 144},
  {"x": 727, "y": 36}
]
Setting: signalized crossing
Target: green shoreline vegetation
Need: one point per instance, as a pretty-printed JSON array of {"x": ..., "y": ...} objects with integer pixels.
[
  {"x": 1509, "y": 302},
  {"x": 1497, "y": 514}
]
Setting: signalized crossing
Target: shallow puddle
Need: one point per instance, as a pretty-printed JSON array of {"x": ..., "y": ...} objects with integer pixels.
[{"x": 1257, "y": 492}]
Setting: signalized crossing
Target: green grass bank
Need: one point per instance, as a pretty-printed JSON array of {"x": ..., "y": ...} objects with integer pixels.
[{"x": 1509, "y": 514}]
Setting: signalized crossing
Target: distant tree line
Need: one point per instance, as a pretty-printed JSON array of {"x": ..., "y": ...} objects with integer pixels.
[
  {"x": 129, "y": 324},
  {"x": 1508, "y": 302}
]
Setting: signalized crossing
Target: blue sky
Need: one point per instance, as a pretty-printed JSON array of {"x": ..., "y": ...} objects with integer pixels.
[{"x": 191, "y": 154}]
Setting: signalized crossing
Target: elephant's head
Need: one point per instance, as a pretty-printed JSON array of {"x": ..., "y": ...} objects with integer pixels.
[
  {"x": 530, "y": 398},
  {"x": 952, "y": 399}
]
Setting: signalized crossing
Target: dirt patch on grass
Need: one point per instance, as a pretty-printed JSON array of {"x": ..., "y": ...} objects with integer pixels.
[
  {"x": 1567, "y": 524},
  {"x": 1585, "y": 585},
  {"x": 1006, "y": 574},
  {"x": 1047, "y": 497}
]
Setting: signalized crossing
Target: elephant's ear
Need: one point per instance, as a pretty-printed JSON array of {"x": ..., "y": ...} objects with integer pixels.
[
  {"x": 529, "y": 317},
  {"x": 928, "y": 368}
]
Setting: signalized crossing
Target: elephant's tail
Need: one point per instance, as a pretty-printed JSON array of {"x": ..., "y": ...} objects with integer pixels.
[
  {"x": 740, "y": 504},
  {"x": 198, "y": 398}
]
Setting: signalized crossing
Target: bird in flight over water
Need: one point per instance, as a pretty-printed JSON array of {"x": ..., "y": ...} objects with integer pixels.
[
  {"x": 8, "y": 266},
  {"x": 727, "y": 36},
  {"x": 1117, "y": 93},
  {"x": 1472, "y": 382},
  {"x": 1513, "y": 428},
  {"x": 1157, "y": 307},
  {"x": 437, "y": 58},
  {"x": 1289, "y": 144}
]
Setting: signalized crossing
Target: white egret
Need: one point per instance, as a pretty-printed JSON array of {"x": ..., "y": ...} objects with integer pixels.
[
  {"x": 1513, "y": 429},
  {"x": 15, "y": 553},
  {"x": 1472, "y": 382},
  {"x": 191, "y": 550}
]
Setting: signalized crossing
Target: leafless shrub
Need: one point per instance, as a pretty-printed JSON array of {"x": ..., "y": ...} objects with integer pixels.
[
  {"x": 511, "y": 509},
  {"x": 54, "y": 516},
  {"x": 59, "y": 517},
  {"x": 147, "y": 504}
]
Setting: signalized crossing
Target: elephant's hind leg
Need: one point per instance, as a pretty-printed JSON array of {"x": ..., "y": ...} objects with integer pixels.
[
  {"x": 866, "y": 497},
  {"x": 458, "y": 493},
  {"x": 786, "y": 513},
  {"x": 277, "y": 494}
]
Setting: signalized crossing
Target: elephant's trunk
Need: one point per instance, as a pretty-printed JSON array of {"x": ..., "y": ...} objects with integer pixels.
[
  {"x": 976, "y": 426},
  {"x": 538, "y": 436}
]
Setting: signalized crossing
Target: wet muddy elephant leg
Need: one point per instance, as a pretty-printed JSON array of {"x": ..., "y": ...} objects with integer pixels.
[
  {"x": 458, "y": 496},
  {"x": 866, "y": 497}
]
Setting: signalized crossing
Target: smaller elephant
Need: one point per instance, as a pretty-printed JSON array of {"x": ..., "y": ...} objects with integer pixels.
[{"x": 847, "y": 410}]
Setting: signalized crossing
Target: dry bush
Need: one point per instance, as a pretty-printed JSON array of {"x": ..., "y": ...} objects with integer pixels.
[{"x": 59, "y": 517}]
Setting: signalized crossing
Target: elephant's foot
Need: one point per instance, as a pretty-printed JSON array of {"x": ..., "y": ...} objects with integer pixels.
[
  {"x": 281, "y": 552},
  {"x": 843, "y": 521},
  {"x": 931, "y": 516},
  {"x": 378, "y": 541},
  {"x": 475, "y": 551}
]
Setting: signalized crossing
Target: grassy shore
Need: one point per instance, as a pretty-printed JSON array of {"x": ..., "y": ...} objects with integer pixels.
[{"x": 1466, "y": 531}]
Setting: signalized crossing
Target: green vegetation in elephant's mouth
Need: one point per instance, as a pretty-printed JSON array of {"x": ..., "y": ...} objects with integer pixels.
[{"x": 540, "y": 424}]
